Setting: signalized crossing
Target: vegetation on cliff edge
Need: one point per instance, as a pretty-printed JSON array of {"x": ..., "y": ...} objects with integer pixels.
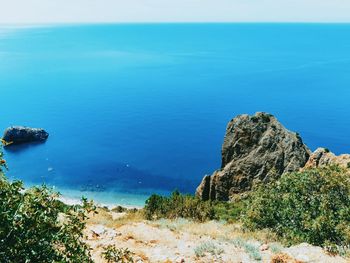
[
  {"x": 308, "y": 206},
  {"x": 36, "y": 227}
]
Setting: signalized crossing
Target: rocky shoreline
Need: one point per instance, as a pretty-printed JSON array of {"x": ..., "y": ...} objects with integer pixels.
[{"x": 258, "y": 149}]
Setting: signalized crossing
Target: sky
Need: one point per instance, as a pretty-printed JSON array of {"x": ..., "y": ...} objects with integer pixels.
[{"x": 117, "y": 11}]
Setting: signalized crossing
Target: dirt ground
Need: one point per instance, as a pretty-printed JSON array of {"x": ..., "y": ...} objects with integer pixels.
[{"x": 185, "y": 241}]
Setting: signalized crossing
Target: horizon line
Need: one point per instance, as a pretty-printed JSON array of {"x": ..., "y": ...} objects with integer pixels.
[{"x": 169, "y": 22}]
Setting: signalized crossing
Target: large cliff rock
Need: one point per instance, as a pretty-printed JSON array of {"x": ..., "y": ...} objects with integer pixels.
[
  {"x": 256, "y": 149},
  {"x": 20, "y": 134},
  {"x": 322, "y": 157}
]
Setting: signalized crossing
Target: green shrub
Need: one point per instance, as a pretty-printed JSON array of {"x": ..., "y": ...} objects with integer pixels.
[
  {"x": 117, "y": 255},
  {"x": 276, "y": 248},
  {"x": 119, "y": 209},
  {"x": 35, "y": 227},
  {"x": 174, "y": 225},
  {"x": 310, "y": 206},
  {"x": 178, "y": 206},
  {"x": 208, "y": 247},
  {"x": 191, "y": 207},
  {"x": 252, "y": 250},
  {"x": 229, "y": 211}
]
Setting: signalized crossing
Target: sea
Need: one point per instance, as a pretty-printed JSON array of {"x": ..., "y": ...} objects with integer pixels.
[{"x": 137, "y": 109}]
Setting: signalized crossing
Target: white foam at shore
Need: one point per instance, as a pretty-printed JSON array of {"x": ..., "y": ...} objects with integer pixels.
[
  {"x": 103, "y": 199},
  {"x": 76, "y": 201},
  {"x": 110, "y": 199}
]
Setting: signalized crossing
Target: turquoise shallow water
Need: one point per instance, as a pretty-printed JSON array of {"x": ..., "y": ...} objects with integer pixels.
[{"x": 137, "y": 109}]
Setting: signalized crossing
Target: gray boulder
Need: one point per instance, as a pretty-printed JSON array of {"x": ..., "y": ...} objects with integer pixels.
[
  {"x": 21, "y": 134},
  {"x": 256, "y": 149}
]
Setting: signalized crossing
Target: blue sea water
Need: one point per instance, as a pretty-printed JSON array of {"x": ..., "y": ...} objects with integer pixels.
[{"x": 134, "y": 109}]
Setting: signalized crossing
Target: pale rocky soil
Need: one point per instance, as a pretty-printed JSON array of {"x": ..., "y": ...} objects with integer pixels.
[{"x": 176, "y": 241}]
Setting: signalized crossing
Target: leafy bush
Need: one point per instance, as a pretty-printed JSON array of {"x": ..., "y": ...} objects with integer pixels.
[
  {"x": 230, "y": 211},
  {"x": 119, "y": 209},
  {"x": 178, "y": 206},
  {"x": 117, "y": 255},
  {"x": 191, "y": 207},
  {"x": 35, "y": 227},
  {"x": 310, "y": 206}
]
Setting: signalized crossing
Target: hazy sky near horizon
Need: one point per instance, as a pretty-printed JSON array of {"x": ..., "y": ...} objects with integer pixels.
[{"x": 109, "y": 11}]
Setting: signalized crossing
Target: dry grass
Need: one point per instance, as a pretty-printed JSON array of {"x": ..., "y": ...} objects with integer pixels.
[
  {"x": 264, "y": 236},
  {"x": 281, "y": 258},
  {"x": 155, "y": 241},
  {"x": 128, "y": 218},
  {"x": 215, "y": 230},
  {"x": 284, "y": 258},
  {"x": 143, "y": 256},
  {"x": 128, "y": 236},
  {"x": 105, "y": 217}
]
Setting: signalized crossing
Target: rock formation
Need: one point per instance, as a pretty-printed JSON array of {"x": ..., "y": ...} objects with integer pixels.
[
  {"x": 20, "y": 134},
  {"x": 256, "y": 149},
  {"x": 322, "y": 157}
]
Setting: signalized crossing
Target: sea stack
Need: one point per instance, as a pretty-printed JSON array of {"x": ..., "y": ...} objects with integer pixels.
[
  {"x": 20, "y": 134},
  {"x": 256, "y": 149}
]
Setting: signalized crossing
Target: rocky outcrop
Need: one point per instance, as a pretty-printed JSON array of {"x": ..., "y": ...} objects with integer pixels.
[
  {"x": 256, "y": 149},
  {"x": 322, "y": 157},
  {"x": 20, "y": 134}
]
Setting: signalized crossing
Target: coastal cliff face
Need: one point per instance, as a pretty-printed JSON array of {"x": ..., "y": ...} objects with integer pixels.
[{"x": 256, "y": 149}]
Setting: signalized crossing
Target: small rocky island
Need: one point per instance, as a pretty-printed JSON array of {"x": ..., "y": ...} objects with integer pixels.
[
  {"x": 19, "y": 134},
  {"x": 258, "y": 149}
]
